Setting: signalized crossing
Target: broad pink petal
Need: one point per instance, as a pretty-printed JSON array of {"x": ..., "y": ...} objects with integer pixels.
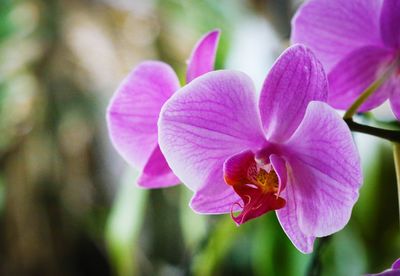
[
  {"x": 134, "y": 110},
  {"x": 390, "y": 23},
  {"x": 334, "y": 28},
  {"x": 355, "y": 73},
  {"x": 156, "y": 173},
  {"x": 325, "y": 173},
  {"x": 202, "y": 58},
  {"x": 295, "y": 79},
  {"x": 207, "y": 121}
]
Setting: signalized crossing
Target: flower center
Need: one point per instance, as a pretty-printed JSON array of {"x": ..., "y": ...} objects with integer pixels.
[
  {"x": 256, "y": 184},
  {"x": 267, "y": 182}
]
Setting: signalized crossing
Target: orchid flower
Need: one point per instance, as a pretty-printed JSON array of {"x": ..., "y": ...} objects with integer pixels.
[
  {"x": 358, "y": 42},
  {"x": 393, "y": 271},
  {"x": 288, "y": 151},
  {"x": 134, "y": 109}
]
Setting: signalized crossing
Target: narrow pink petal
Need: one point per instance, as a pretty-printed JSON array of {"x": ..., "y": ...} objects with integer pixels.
[
  {"x": 134, "y": 109},
  {"x": 207, "y": 121},
  {"x": 279, "y": 165},
  {"x": 325, "y": 173},
  {"x": 295, "y": 79},
  {"x": 334, "y": 28},
  {"x": 390, "y": 23},
  {"x": 156, "y": 173},
  {"x": 203, "y": 55},
  {"x": 355, "y": 73}
]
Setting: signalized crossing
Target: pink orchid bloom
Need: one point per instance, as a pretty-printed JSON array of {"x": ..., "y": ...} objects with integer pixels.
[
  {"x": 134, "y": 110},
  {"x": 393, "y": 271},
  {"x": 288, "y": 151},
  {"x": 357, "y": 41}
]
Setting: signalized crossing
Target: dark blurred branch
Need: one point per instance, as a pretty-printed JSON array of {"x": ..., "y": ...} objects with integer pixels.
[
  {"x": 391, "y": 135},
  {"x": 396, "y": 157}
]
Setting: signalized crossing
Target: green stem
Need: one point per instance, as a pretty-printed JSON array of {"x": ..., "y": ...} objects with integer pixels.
[
  {"x": 391, "y": 135},
  {"x": 396, "y": 153},
  {"x": 315, "y": 266},
  {"x": 369, "y": 91}
]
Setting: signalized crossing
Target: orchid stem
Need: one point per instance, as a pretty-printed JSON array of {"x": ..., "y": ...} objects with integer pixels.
[
  {"x": 391, "y": 135},
  {"x": 396, "y": 153},
  {"x": 315, "y": 267},
  {"x": 368, "y": 92}
]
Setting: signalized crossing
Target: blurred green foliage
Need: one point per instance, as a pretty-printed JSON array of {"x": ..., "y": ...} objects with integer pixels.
[{"x": 124, "y": 224}]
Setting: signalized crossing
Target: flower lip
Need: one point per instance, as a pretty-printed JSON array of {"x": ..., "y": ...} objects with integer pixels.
[
  {"x": 256, "y": 203},
  {"x": 256, "y": 183}
]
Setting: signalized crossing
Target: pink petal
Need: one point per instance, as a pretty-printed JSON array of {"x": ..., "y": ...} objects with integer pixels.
[
  {"x": 334, "y": 28},
  {"x": 296, "y": 79},
  {"x": 156, "y": 173},
  {"x": 289, "y": 220},
  {"x": 355, "y": 73},
  {"x": 396, "y": 264},
  {"x": 134, "y": 109},
  {"x": 325, "y": 173},
  {"x": 279, "y": 165},
  {"x": 390, "y": 23},
  {"x": 215, "y": 197},
  {"x": 203, "y": 55},
  {"x": 207, "y": 121},
  {"x": 395, "y": 97}
]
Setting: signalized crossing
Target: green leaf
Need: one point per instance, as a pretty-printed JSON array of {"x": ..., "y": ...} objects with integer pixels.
[{"x": 124, "y": 224}]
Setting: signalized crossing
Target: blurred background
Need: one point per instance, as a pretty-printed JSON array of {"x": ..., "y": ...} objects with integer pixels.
[{"x": 69, "y": 204}]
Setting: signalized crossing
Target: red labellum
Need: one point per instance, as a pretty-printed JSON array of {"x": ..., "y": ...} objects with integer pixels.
[{"x": 257, "y": 185}]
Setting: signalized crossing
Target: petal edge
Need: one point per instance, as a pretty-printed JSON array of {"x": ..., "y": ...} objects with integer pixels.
[
  {"x": 203, "y": 56},
  {"x": 296, "y": 78},
  {"x": 134, "y": 109}
]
